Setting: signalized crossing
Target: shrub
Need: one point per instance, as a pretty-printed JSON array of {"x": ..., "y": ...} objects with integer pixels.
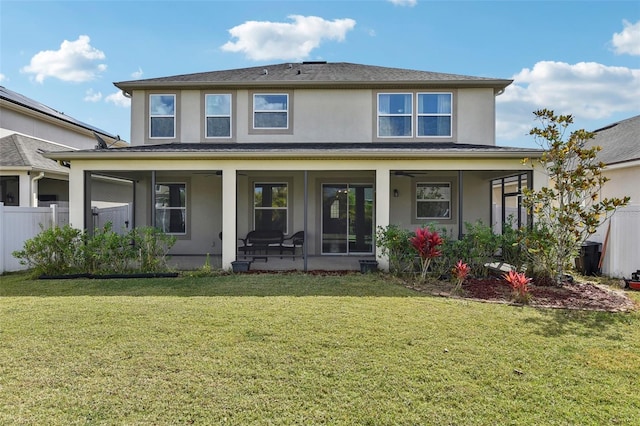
[
  {"x": 151, "y": 248},
  {"x": 54, "y": 251},
  {"x": 519, "y": 284},
  {"x": 66, "y": 250},
  {"x": 427, "y": 244},
  {"x": 478, "y": 246},
  {"x": 394, "y": 243},
  {"x": 460, "y": 273}
]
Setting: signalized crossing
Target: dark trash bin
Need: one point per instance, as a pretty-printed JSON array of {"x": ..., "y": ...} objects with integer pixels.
[{"x": 587, "y": 263}]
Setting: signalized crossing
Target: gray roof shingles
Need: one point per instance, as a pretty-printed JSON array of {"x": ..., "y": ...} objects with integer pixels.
[
  {"x": 308, "y": 73},
  {"x": 620, "y": 141},
  {"x": 23, "y": 151}
]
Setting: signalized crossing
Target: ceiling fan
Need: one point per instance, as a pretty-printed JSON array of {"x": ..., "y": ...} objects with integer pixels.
[{"x": 408, "y": 174}]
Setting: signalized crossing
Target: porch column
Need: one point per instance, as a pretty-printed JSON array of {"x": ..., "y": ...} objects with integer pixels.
[
  {"x": 383, "y": 204},
  {"x": 229, "y": 216},
  {"x": 76, "y": 197}
]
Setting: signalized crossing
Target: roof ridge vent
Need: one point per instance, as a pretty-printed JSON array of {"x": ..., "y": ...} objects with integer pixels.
[{"x": 313, "y": 62}]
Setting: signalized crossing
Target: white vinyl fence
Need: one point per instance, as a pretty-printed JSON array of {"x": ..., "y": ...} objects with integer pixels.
[
  {"x": 622, "y": 248},
  {"x": 18, "y": 224}
]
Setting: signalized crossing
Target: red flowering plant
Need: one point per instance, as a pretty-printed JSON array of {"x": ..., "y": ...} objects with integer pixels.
[
  {"x": 460, "y": 273},
  {"x": 520, "y": 285},
  {"x": 427, "y": 244}
]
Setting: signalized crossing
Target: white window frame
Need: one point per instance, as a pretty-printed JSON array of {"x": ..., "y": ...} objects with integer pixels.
[
  {"x": 168, "y": 208},
  {"x": 418, "y": 200},
  {"x": 256, "y": 208},
  {"x": 207, "y": 116},
  {"x": 379, "y": 115},
  {"x": 449, "y": 114},
  {"x": 257, "y": 111},
  {"x": 173, "y": 116}
]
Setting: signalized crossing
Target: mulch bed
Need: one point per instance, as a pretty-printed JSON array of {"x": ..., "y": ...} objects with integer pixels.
[{"x": 576, "y": 295}]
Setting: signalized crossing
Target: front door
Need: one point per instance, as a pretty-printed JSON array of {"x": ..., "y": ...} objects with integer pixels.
[{"x": 347, "y": 219}]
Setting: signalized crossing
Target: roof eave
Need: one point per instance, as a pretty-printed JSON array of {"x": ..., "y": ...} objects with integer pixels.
[
  {"x": 128, "y": 87},
  {"x": 298, "y": 154}
]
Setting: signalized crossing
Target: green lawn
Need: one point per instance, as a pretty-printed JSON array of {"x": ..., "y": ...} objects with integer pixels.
[{"x": 298, "y": 349}]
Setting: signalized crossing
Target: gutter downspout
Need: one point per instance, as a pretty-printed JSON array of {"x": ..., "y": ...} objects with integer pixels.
[{"x": 34, "y": 189}]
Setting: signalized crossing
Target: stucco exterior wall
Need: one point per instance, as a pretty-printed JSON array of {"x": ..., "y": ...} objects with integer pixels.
[
  {"x": 476, "y": 116},
  {"x": 316, "y": 116}
]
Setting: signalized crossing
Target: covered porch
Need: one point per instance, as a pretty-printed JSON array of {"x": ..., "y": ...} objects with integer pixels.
[{"x": 211, "y": 198}]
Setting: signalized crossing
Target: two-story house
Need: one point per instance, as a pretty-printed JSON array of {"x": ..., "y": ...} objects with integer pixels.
[
  {"x": 28, "y": 128},
  {"x": 335, "y": 150}
]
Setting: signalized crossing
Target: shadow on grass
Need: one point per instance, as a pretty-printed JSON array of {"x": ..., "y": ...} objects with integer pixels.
[
  {"x": 230, "y": 285},
  {"x": 564, "y": 323}
]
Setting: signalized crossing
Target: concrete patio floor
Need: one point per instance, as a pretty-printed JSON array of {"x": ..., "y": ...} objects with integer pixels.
[{"x": 274, "y": 262}]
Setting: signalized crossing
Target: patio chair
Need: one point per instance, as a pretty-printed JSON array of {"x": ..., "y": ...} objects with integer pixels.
[{"x": 292, "y": 243}]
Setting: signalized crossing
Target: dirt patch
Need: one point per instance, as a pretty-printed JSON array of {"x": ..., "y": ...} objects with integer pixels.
[{"x": 576, "y": 295}]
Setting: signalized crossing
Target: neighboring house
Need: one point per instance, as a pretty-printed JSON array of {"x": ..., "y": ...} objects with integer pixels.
[
  {"x": 332, "y": 149},
  {"x": 28, "y": 128},
  {"x": 620, "y": 143}
]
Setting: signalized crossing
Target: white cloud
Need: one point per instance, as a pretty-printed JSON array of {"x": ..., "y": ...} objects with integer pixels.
[
  {"x": 137, "y": 74},
  {"x": 118, "y": 99},
  {"x": 75, "y": 61},
  {"x": 263, "y": 40},
  {"x": 409, "y": 3},
  {"x": 2, "y": 77},
  {"x": 91, "y": 96},
  {"x": 586, "y": 90},
  {"x": 627, "y": 41}
]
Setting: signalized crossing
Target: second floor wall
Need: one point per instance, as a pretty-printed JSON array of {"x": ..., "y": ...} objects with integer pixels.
[{"x": 461, "y": 115}]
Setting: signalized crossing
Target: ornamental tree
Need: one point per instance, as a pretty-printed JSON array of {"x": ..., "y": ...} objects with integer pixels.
[{"x": 570, "y": 210}]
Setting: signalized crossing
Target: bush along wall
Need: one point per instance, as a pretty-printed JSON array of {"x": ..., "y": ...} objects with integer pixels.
[{"x": 69, "y": 252}]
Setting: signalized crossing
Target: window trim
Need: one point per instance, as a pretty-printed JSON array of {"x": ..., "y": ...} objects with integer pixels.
[
  {"x": 410, "y": 115},
  {"x": 270, "y": 130},
  {"x": 185, "y": 208},
  {"x": 174, "y": 116},
  {"x": 253, "y": 202},
  {"x": 232, "y": 106},
  {"x": 418, "y": 201},
  {"x": 450, "y": 115}
]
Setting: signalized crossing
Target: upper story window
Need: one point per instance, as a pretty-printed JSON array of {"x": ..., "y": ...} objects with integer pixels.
[
  {"x": 270, "y": 111},
  {"x": 218, "y": 115},
  {"x": 395, "y": 115},
  {"x": 162, "y": 116},
  {"x": 433, "y": 200},
  {"x": 434, "y": 114}
]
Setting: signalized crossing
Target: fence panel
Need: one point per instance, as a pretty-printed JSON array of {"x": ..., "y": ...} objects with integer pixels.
[
  {"x": 622, "y": 252},
  {"x": 18, "y": 224}
]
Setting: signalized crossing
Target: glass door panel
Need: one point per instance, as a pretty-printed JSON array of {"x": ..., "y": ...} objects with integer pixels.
[
  {"x": 334, "y": 219},
  {"x": 360, "y": 219},
  {"x": 347, "y": 219}
]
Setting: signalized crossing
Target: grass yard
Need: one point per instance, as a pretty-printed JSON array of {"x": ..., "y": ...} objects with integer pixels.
[{"x": 302, "y": 349}]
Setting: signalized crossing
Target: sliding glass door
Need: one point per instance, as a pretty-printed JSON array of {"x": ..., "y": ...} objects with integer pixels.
[{"x": 347, "y": 219}]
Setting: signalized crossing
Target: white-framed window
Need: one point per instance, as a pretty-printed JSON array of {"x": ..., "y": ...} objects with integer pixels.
[
  {"x": 433, "y": 200},
  {"x": 271, "y": 111},
  {"x": 434, "y": 114},
  {"x": 217, "y": 120},
  {"x": 162, "y": 116},
  {"x": 395, "y": 115},
  {"x": 271, "y": 206},
  {"x": 171, "y": 208}
]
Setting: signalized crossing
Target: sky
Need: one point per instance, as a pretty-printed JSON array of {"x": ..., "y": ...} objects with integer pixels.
[{"x": 575, "y": 57}]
